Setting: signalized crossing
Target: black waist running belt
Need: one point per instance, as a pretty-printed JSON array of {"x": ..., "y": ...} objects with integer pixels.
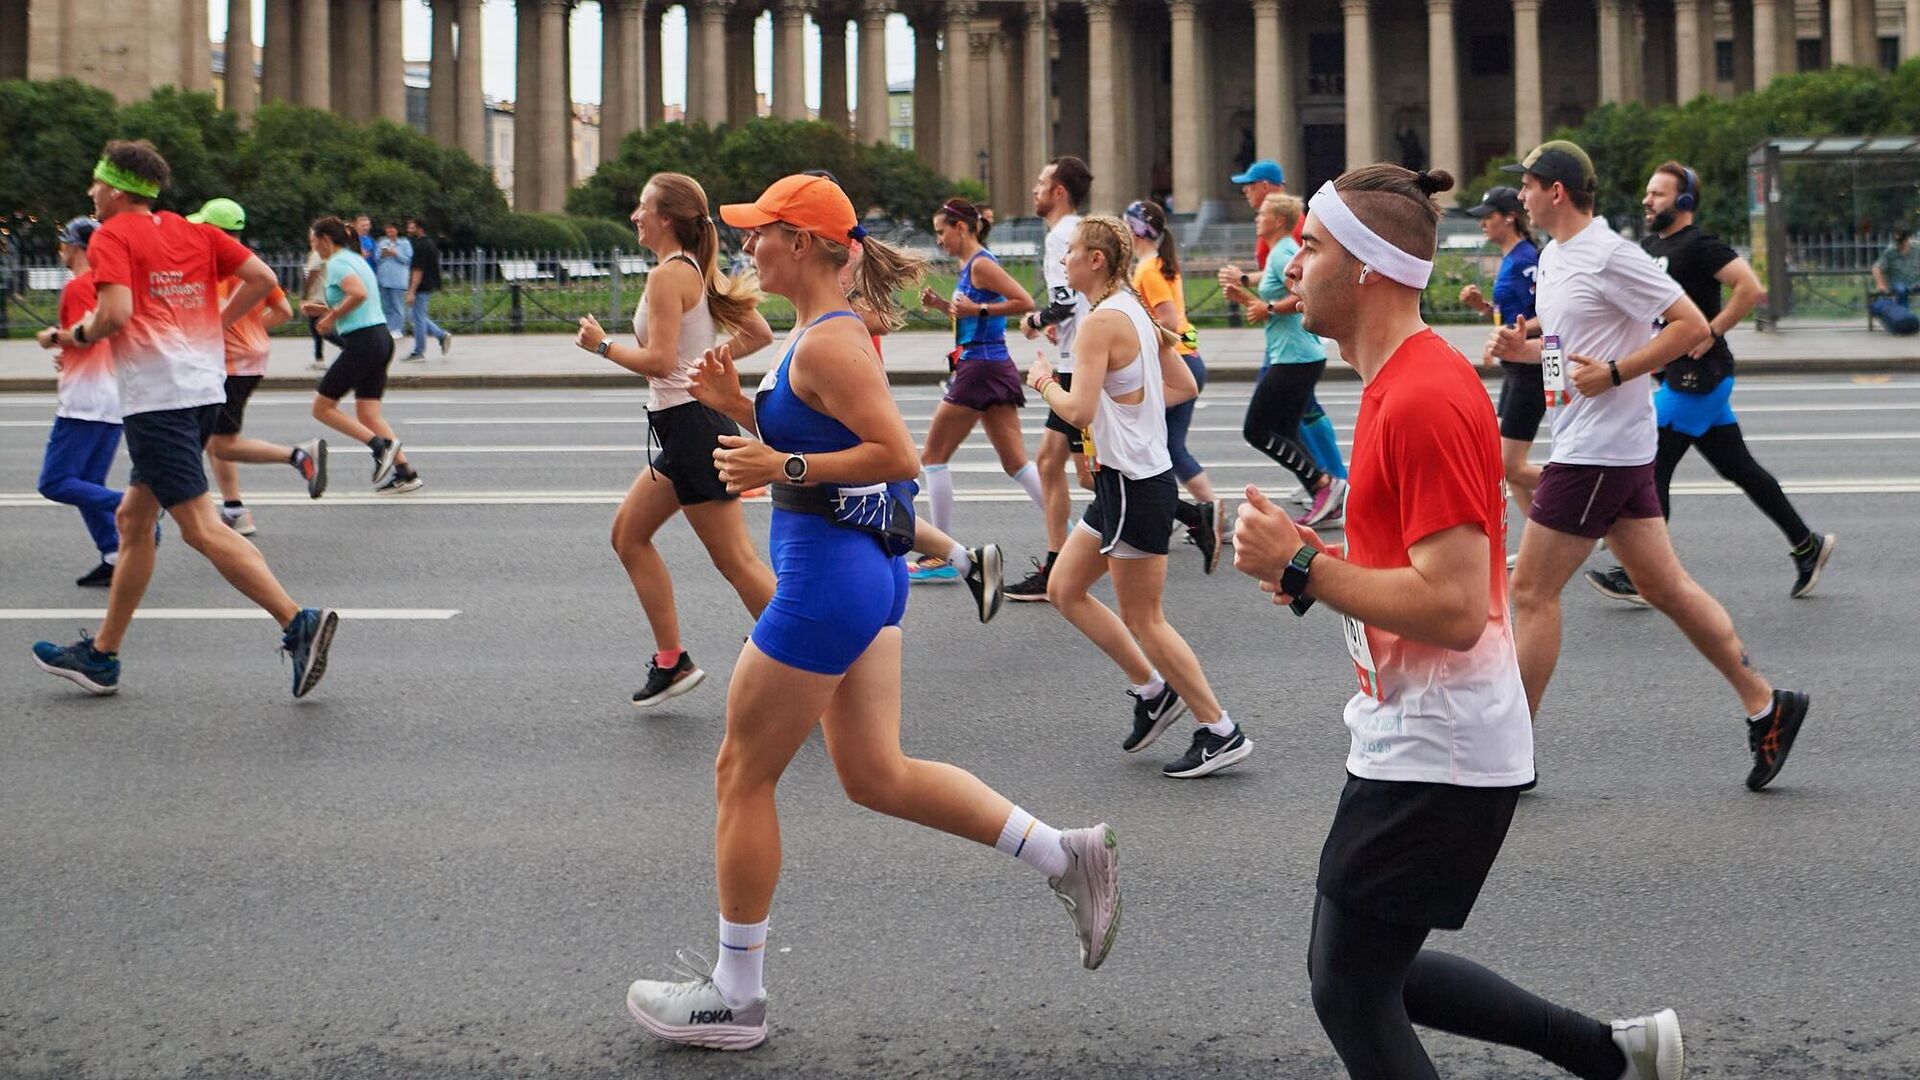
[{"x": 884, "y": 510}]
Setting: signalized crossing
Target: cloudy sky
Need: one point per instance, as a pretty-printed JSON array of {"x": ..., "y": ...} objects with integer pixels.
[{"x": 499, "y": 43}]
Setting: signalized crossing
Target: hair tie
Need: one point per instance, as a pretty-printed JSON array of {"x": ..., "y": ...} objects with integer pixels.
[{"x": 858, "y": 232}]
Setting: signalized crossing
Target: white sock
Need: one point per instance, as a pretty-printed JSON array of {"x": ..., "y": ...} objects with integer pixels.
[
  {"x": 1222, "y": 727},
  {"x": 1762, "y": 714},
  {"x": 743, "y": 958},
  {"x": 1151, "y": 686},
  {"x": 939, "y": 497},
  {"x": 960, "y": 560},
  {"x": 1029, "y": 479},
  {"x": 1033, "y": 842},
  {"x": 111, "y": 558}
]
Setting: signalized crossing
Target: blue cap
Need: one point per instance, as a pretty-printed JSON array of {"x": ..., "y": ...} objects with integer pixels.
[
  {"x": 1264, "y": 169},
  {"x": 78, "y": 231}
]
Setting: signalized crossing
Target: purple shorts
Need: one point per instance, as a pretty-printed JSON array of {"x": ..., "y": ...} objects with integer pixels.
[
  {"x": 1585, "y": 500},
  {"x": 981, "y": 384}
]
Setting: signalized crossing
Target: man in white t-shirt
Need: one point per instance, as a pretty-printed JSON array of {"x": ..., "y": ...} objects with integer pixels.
[
  {"x": 1057, "y": 196},
  {"x": 1598, "y": 297}
]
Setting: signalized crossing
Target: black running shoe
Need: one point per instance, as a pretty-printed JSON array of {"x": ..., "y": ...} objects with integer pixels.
[
  {"x": 385, "y": 453},
  {"x": 985, "y": 580},
  {"x": 1032, "y": 588},
  {"x": 1809, "y": 565},
  {"x": 666, "y": 683},
  {"x": 1614, "y": 584},
  {"x": 97, "y": 578},
  {"x": 1209, "y": 753},
  {"x": 1771, "y": 737},
  {"x": 1151, "y": 716},
  {"x": 1206, "y": 536}
]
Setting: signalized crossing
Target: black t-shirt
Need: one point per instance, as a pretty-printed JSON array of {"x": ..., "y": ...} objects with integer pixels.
[
  {"x": 426, "y": 259},
  {"x": 1692, "y": 258}
]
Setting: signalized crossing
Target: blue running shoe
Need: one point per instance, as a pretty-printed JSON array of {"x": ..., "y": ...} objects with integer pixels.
[
  {"x": 80, "y": 663},
  {"x": 306, "y": 640},
  {"x": 929, "y": 569}
]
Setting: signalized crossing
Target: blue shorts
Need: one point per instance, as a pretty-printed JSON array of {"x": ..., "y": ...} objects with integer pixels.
[
  {"x": 165, "y": 449},
  {"x": 835, "y": 589},
  {"x": 1693, "y": 415}
]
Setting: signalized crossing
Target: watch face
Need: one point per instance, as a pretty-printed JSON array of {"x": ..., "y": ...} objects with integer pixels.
[{"x": 796, "y": 467}]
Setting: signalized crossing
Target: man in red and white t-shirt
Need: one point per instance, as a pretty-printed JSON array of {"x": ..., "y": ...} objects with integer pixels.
[
  {"x": 157, "y": 278},
  {"x": 1441, "y": 741}
]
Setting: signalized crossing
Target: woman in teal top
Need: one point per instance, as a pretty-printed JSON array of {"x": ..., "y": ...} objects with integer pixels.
[
  {"x": 352, "y": 317},
  {"x": 1294, "y": 362}
]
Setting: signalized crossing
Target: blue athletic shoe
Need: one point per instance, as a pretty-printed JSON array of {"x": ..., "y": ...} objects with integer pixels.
[
  {"x": 306, "y": 640},
  {"x": 80, "y": 663},
  {"x": 930, "y": 569}
]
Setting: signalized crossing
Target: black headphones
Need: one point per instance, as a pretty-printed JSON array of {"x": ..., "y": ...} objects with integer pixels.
[{"x": 1689, "y": 199}]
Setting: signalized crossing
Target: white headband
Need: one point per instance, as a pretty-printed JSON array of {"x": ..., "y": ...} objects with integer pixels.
[{"x": 1365, "y": 244}]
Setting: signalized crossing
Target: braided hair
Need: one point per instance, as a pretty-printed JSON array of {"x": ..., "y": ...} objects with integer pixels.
[{"x": 1114, "y": 240}]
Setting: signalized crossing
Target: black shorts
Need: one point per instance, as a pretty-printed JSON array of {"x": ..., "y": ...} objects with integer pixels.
[
  {"x": 1074, "y": 442},
  {"x": 1138, "y": 513},
  {"x": 1523, "y": 401},
  {"x": 687, "y": 435},
  {"x": 361, "y": 367},
  {"x": 234, "y": 413},
  {"x": 1411, "y": 853},
  {"x": 165, "y": 448}
]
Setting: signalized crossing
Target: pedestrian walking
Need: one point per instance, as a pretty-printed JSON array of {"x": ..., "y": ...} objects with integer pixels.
[{"x": 423, "y": 281}]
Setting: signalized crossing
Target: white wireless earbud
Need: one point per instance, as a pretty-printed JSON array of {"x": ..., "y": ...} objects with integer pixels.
[{"x": 1364, "y": 271}]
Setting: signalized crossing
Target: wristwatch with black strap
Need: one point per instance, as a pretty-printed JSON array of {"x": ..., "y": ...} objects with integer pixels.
[{"x": 1293, "y": 579}]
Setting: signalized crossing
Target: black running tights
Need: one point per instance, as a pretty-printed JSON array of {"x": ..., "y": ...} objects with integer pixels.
[
  {"x": 1279, "y": 403},
  {"x": 1726, "y": 450},
  {"x": 1372, "y": 982}
]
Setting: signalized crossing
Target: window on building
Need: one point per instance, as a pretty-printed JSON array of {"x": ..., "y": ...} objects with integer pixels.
[
  {"x": 1808, "y": 54},
  {"x": 1889, "y": 53},
  {"x": 1489, "y": 54},
  {"x": 1723, "y": 61},
  {"x": 1327, "y": 64}
]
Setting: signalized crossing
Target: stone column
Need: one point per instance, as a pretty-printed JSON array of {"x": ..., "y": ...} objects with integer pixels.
[
  {"x": 1613, "y": 52},
  {"x": 1866, "y": 34},
  {"x": 1276, "y": 118},
  {"x": 276, "y": 56},
  {"x": 1189, "y": 156},
  {"x": 360, "y": 68},
  {"x": 1036, "y": 95},
  {"x": 529, "y": 112},
  {"x": 743, "y": 101},
  {"x": 1766, "y": 39},
  {"x": 469, "y": 100},
  {"x": 990, "y": 117},
  {"x": 790, "y": 58},
  {"x": 653, "y": 103},
  {"x": 1103, "y": 89},
  {"x": 390, "y": 61},
  {"x": 696, "y": 96},
  {"x": 633, "y": 48},
  {"x": 1636, "y": 52},
  {"x": 196, "y": 49},
  {"x": 1743, "y": 51},
  {"x": 1840, "y": 36},
  {"x": 313, "y": 55},
  {"x": 873, "y": 70},
  {"x": 443, "y": 85},
  {"x": 1690, "y": 78},
  {"x": 242, "y": 93},
  {"x": 1529, "y": 112},
  {"x": 833, "y": 69},
  {"x": 1363, "y": 117},
  {"x": 1445, "y": 148},
  {"x": 713, "y": 14},
  {"x": 1910, "y": 31},
  {"x": 1003, "y": 147},
  {"x": 614, "y": 66},
  {"x": 956, "y": 78},
  {"x": 928, "y": 100},
  {"x": 556, "y": 106}
]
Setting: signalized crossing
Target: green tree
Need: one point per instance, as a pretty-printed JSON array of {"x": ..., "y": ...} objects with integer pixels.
[
  {"x": 199, "y": 140},
  {"x": 50, "y": 136}
]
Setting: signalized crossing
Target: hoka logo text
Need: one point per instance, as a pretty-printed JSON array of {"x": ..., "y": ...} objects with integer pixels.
[{"x": 710, "y": 1016}]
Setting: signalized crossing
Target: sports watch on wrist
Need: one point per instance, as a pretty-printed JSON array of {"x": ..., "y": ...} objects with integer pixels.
[
  {"x": 605, "y": 347},
  {"x": 1293, "y": 579},
  {"x": 795, "y": 469}
]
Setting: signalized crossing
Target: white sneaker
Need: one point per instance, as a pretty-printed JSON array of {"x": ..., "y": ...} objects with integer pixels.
[
  {"x": 1090, "y": 889},
  {"x": 691, "y": 1011},
  {"x": 1652, "y": 1045},
  {"x": 240, "y": 521}
]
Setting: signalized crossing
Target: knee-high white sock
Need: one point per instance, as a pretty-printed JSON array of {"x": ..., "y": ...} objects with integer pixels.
[
  {"x": 940, "y": 497},
  {"x": 743, "y": 957},
  {"x": 1029, "y": 480},
  {"x": 1033, "y": 842}
]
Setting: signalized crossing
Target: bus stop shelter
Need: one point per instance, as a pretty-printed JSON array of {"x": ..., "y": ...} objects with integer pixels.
[{"x": 1820, "y": 209}]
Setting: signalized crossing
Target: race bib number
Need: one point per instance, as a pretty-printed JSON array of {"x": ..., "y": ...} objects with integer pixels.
[
  {"x": 1553, "y": 370},
  {"x": 1364, "y": 666}
]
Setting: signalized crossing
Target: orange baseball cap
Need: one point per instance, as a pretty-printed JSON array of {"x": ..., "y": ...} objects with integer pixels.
[{"x": 812, "y": 204}]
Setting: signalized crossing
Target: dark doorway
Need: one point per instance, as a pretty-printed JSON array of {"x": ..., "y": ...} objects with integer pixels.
[{"x": 1326, "y": 155}]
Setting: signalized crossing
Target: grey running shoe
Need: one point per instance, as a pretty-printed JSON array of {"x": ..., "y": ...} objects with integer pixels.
[
  {"x": 385, "y": 453},
  {"x": 1652, "y": 1046},
  {"x": 1090, "y": 889},
  {"x": 311, "y": 459},
  {"x": 984, "y": 580},
  {"x": 1807, "y": 566},
  {"x": 240, "y": 520},
  {"x": 399, "y": 485},
  {"x": 1614, "y": 584},
  {"x": 691, "y": 1012}
]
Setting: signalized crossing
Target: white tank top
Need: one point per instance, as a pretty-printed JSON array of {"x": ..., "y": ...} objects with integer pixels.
[
  {"x": 1133, "y": 438},
  {"x": 696, "y": 337}
]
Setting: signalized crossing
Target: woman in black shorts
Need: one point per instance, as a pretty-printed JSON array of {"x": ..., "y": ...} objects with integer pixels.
[
  {"x": 1126, "y": 374},
  {"x": 1523, "y": 396},
  {"x": 351, "y": 311},
  {"x": 687, "y": 301}
]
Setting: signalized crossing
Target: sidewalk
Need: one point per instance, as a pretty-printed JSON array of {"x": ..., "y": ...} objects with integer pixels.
[{"x": 919, "y": 358}]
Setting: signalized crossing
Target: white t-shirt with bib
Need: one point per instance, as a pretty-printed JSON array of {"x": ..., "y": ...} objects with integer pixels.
[
  {"x": 1600, "y": 294},
  {"x": 1054, "y": 267}
]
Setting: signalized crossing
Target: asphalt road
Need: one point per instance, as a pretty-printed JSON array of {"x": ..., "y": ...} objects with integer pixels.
[{"x": 451, "y": 859}]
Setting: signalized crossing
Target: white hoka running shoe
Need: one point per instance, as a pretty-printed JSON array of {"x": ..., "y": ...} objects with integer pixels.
[
  {"x": 1652, "y": 1046},
  {"x": 691, "y": 1011},
  {"x": 1090, "y": 889}
]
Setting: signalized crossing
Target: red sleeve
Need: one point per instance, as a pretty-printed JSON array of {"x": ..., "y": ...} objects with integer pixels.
[
  {"x": 107, "y": 254},
  {"x": 76, "y": 299},
  {"x": 228, "y": 254},
  {"x": 1440, "y": 455}
]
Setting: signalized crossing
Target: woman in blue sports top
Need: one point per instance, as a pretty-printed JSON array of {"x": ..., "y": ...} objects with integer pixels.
[
  {"x": 985, "y": 388},
  {"x": 826, "y": 652},
  {"x": 1523, "y": 396}
]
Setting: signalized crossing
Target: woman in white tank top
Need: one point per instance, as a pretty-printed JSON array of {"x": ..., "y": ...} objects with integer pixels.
[
  {"x": 686, "y": 303},
  {"x": 1126, "y": 373}
]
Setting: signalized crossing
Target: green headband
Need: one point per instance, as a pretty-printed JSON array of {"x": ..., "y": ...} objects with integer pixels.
[{"x": 114, "y": 176}]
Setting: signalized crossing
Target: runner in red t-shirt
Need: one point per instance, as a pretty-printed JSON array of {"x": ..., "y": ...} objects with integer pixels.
[
  {"x": 1441, "y": 741},
  {"x": 157, "y": 276},
  {"x": 86, "y": 425}
]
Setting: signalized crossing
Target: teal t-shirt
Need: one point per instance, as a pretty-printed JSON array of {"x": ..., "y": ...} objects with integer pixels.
[
  {"x": 1287, "y": 339},
  {"x": 368, "y": 313}
]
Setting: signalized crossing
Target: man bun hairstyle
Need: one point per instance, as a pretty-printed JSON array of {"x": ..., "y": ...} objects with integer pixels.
[
  {"x": 1398, "y": 204},
  {"x": 139, "y": 158},
  {"x": 1074, "y": 177}
]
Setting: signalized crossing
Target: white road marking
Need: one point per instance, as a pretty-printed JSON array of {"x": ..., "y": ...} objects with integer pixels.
[{"x": 357, "y": 614}]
